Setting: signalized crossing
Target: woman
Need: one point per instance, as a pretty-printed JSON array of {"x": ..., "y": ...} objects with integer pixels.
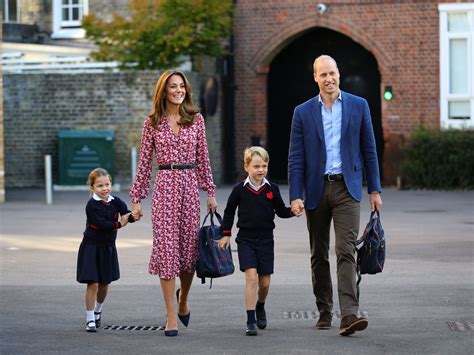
[{"x": 175, "y": 133}]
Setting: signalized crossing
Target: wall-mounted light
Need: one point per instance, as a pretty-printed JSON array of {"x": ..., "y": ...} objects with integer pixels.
[{"x": 322, "y": 8}]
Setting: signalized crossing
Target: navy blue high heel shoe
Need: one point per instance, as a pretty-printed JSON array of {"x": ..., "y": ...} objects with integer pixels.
[
  {"x": 171, "y": 333},
  {"x": 183, "y": 318}
]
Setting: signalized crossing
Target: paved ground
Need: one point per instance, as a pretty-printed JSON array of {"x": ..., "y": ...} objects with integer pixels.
[{"x": 421, "y": 303}]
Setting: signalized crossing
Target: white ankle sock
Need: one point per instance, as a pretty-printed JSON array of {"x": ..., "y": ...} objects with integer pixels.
[
  {"x": 90, "y": 316},
  {"x": 98, "y": 307}
]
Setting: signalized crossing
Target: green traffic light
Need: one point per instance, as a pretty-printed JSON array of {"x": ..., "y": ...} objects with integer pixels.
[{"x": 388, "y": 93}]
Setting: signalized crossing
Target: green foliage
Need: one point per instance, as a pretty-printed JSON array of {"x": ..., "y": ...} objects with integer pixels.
[
  {"x": 439, "y": 159},
  {"x": 160, "y": 32}
]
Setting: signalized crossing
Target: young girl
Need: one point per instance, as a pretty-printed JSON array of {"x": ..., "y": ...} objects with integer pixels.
[
  {"x": 97, "y": 261},
  {"x": 258, "y": 199}
]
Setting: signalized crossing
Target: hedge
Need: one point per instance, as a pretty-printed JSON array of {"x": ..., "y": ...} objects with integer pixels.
[{"x": 439, "y": 159}]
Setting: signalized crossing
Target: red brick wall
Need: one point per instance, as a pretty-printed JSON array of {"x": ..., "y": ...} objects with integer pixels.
[{"x": 402, "y": 35}]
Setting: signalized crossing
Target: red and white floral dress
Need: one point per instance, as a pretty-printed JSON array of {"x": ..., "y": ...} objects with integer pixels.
[{"x": 175, "y": 212}]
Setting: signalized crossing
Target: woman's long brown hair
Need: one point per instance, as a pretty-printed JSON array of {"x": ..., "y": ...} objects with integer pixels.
[{"x": 187, "y": 110}]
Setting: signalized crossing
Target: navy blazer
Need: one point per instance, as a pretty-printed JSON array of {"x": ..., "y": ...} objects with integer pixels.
[{"x": 307, "y": 151}]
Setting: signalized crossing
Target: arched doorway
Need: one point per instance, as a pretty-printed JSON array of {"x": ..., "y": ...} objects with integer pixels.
[{"x": 290, "y": 83}]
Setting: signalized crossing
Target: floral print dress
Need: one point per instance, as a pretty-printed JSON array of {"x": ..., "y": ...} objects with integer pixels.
[{"x": 175, "y": 211}]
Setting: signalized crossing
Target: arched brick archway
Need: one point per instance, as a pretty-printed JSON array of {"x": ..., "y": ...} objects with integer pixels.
[
  {"x": 272, "y": 118},
  {"x": 280, "y": 39}
]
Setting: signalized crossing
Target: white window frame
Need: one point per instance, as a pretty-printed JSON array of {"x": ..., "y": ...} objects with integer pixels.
[
  {"x": 444, "y": 38},
  {"x": 60, "y": 27},
  {"x": 7, "y": 13}
]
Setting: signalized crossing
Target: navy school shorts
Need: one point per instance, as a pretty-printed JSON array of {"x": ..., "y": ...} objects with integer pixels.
[{"x": 257, "y": 254}]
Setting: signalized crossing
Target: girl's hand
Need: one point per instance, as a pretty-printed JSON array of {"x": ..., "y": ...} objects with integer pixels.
[
  {"x": 124, "y": 219},
  {"x": 211, "y": 204},
  {"x": 224, "y": 242},
  {"x": 137, "y": 211}
]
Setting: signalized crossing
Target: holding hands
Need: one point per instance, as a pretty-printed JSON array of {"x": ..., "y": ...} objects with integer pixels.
[
  {"x": 136, "y": 211},
  {"x": 124, "y": 219},
  {"x": 297, "y": 207}
]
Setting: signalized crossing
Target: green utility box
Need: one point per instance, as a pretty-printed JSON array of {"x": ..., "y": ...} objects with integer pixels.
[{"x": 82, "y": 151}]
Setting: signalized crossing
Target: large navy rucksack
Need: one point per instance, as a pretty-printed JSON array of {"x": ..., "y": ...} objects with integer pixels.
[{"x": 213, "y": 262}]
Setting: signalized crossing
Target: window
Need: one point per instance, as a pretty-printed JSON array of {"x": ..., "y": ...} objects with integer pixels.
[
  {"x": 456, "y": 26},
  {"x": 10, "y": 10},
  {"x": 67, "y": 18}
]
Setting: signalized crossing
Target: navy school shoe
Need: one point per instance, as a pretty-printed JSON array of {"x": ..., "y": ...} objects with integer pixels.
[
  {"x": 251, "y": 329},
  {"x": 183, "y": 318}
]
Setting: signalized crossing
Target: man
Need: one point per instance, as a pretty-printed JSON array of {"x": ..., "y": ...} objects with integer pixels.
[{"x": 331, "y": 140}]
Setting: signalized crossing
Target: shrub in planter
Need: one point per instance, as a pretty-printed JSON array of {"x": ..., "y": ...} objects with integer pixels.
[{"x": 439, "y": 159}]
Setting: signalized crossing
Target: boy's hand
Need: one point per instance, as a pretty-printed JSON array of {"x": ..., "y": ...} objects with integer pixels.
[
  {"x": 224, "y": 242},
  {"x": 124, "y": 219}
]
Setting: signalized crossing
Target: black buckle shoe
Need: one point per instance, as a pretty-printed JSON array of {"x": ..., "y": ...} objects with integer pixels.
[
  {"x": 97, "y": 320},
  {"x": 90, "y": 327},
  {"x": 261, "y": 316},
  {"x": 251, "y": 329}
]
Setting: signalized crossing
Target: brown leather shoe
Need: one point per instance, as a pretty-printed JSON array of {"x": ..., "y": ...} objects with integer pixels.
[
  {"x": 325, "y": 321},
  {"x": 351, "y": 324}
]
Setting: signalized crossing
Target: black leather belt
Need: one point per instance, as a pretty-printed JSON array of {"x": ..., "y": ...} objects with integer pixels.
[
  {"x": 333, "y": 177},
  {"x": 175, "y": 166}
]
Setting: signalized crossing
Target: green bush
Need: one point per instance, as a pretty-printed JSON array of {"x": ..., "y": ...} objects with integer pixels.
[{"x": 439, "y": 159}]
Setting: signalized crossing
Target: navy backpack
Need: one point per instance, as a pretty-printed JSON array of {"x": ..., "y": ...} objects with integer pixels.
[{"x": 213, "y": 262}]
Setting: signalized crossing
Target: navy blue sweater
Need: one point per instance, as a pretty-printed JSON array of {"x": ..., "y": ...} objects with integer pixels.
[
  {"x": 102, "y": 221},
  {"x": 256, "y": 210}
]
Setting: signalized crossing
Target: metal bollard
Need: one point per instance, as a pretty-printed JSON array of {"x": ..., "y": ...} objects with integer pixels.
[{"x": 48, "y": 179}]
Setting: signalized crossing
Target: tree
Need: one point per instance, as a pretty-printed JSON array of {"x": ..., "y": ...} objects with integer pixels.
[{"x": 160, "y": 32}]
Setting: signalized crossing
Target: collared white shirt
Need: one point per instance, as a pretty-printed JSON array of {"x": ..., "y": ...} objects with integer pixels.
[
  {"x": 97, "y": 198},
  {"x": 248, "y": 181},
  {"x": 332, "y": 120}
]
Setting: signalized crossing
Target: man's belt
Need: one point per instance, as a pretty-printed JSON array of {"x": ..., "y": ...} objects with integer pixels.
[
  {"x": 333, "y": 177},
  {"x": 176, "y": 166}
]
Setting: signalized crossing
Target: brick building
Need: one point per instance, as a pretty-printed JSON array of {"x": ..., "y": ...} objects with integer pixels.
[
  {"x": 422, "y": 50},
  {"x": 378, "y": 44}
]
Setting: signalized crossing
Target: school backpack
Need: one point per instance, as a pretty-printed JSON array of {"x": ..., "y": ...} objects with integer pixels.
[
  {"x": 213, "y": 262},
  {"x": 371, "y": 247}
]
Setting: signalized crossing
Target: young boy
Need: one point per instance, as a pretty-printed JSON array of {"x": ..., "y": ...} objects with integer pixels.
[{"x": 258, "y": 200}]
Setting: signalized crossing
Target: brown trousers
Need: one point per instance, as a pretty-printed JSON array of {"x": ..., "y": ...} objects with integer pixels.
[{"x": 337, "y": 205}]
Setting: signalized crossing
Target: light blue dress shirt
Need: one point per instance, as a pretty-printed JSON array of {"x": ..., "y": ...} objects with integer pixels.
[{"x": 332, "y": 135}]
